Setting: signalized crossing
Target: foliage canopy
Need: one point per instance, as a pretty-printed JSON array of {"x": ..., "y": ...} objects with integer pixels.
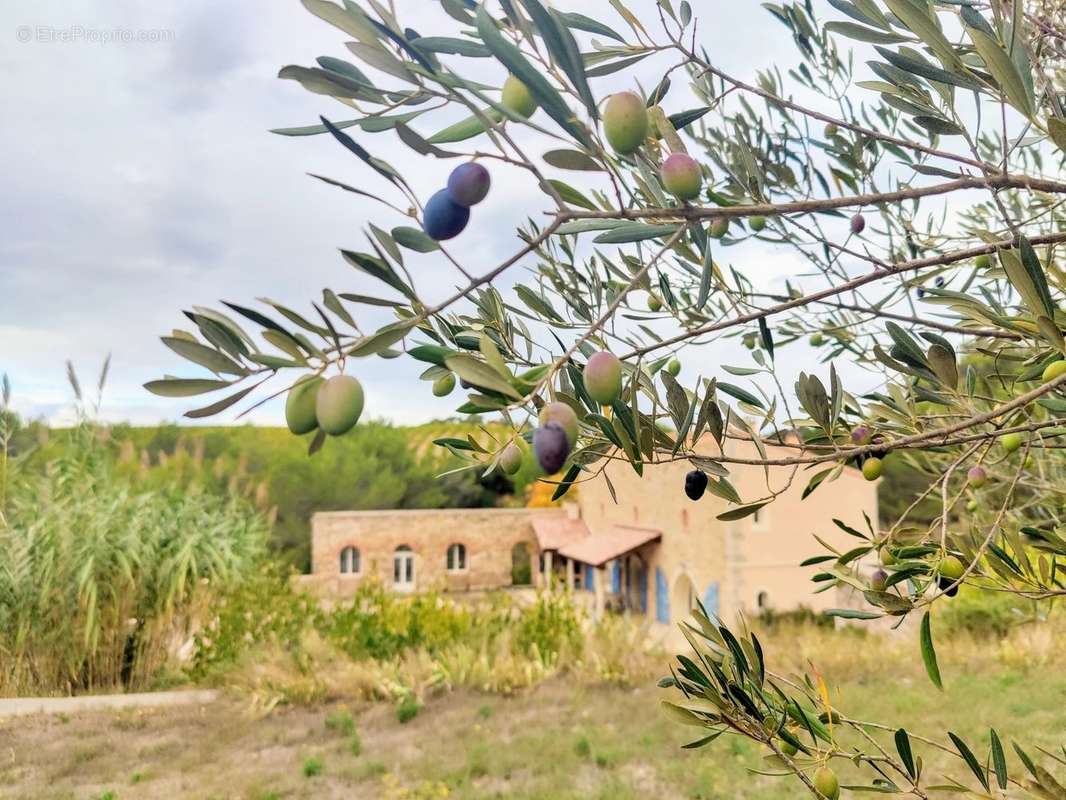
[{"x": 921, "y": 188}]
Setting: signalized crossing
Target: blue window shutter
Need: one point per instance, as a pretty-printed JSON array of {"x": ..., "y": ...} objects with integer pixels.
[
  {"x": 590, "y": 581},
  {"x": 710, "y": 600},
  {"x": 662, "y": 600},
  {"x": 642, "y": 589},
  {"x": 616, "y": 577}
]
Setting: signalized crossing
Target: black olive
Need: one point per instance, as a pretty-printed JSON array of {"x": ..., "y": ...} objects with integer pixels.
[{"x": 696, "y": 484}]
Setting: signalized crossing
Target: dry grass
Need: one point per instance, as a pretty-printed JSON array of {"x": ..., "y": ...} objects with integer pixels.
[
  {"x": 568, "y": 737},
  {"x": 614, "y": 651}
]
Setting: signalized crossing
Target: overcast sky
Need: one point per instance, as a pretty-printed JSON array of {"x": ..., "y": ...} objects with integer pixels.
[{"x": 138, "y": 178}]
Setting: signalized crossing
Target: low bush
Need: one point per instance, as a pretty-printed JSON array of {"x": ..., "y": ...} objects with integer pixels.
[
  {"x": 408, "y": 709},
  {"x": 281, "y": 646}
]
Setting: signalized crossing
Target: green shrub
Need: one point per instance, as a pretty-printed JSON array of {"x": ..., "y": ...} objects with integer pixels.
[
  {"x": 340, "y": 722},
  {"x": 312, "y": 766},
  {"x": 379, "y": 625},
  {"x": 548, "y": 626},
  {"x": 264, "y": 609},
  {"x": 355, "y": 744},
  {"x": 408, "y": 709}
]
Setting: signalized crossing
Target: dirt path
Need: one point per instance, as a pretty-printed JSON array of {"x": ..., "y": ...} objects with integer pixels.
[
  {"x": 21, "y": 706},
  {"x": 221, "y": 750}
]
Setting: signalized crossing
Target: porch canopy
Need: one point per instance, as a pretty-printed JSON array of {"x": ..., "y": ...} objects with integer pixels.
[
  {"x": 554, "y": 532},
  {"x": 599, "y": 548}
]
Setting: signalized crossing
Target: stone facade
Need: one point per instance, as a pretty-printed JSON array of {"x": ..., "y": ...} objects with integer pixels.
[
  {"x": 488, "y": 536},
  {"x": 735, "y": 567},
  {"x": 732, "y": 567}
]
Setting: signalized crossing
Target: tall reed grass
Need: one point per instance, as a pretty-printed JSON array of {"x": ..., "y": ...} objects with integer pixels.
[{"x": 101, "y": 579}]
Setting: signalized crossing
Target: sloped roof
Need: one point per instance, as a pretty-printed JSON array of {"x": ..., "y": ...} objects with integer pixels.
[
  {"x": 600, "y": 548},
  {"x": 554, "y": 532}
]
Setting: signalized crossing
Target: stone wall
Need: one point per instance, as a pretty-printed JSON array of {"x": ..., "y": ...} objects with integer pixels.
[
  {"x": 488, "y": 534},
  {"x": 731, "y": 563},
  {"x": 766, "y": 550},
  {"x": 691, "y": 557}
]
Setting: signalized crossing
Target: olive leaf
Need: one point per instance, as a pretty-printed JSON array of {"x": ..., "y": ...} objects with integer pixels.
[
  {"x": 944, "y": 367},
  {"x": 511, "y": 57},
  {"x": 479, "y": 374}
]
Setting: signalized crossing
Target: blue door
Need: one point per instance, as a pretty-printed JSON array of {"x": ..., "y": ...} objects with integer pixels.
[
  {"x": 710, "y": 601},
  {"x": 590, "y": 581},
  {"x": 616, "y": 577},
  {"x": 662, "y": 599}
]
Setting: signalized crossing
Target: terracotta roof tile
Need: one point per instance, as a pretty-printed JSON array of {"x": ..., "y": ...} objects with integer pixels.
[
  {"x": 554, "y": 532},
  {"x": 600, "y": 548}
]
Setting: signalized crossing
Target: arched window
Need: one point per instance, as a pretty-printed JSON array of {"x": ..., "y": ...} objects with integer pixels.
[
  {"x": 403, "y": 568},
  {"x": 349, "y": 559},
  {"x": 521, "y": 565},
  {"x": 456, "y": 557}
]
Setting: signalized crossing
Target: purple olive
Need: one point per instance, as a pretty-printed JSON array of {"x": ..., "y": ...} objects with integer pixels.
[
  {"x": 858, "y": 224},
  {"x": 443, "y": 217},
  {"x": 879, "y": 580},
  {"x": 551, "y": 447},
  {"x": 682, "y": 176},
  {"x": 695, "y": 484},
  {"x": 469, "y": 184}
]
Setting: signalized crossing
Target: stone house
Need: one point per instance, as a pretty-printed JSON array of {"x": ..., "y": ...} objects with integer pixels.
[{"x": 652, "y": 553}]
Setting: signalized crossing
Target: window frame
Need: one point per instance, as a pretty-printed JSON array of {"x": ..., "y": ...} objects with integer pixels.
[
  {"x": 460, "y": 549},
  {"x": 354, "y": 559},
  {"x": 405, "y": 555}
]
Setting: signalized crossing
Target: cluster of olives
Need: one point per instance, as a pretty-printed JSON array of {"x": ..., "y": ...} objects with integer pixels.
[
  {"x": 558, "y": 431},
  {"x": 331, "y": 405},
  {"x": 872, "y": 466},
  {"x": 448, "y": 211},
  {"x": 626, "y": 125},
  {"x": 948, "y": 571},
  {"x": 555, "y": 437}
]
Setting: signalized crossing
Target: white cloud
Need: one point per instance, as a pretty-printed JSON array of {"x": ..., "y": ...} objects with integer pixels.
[{"x": 140, "y": 180}]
